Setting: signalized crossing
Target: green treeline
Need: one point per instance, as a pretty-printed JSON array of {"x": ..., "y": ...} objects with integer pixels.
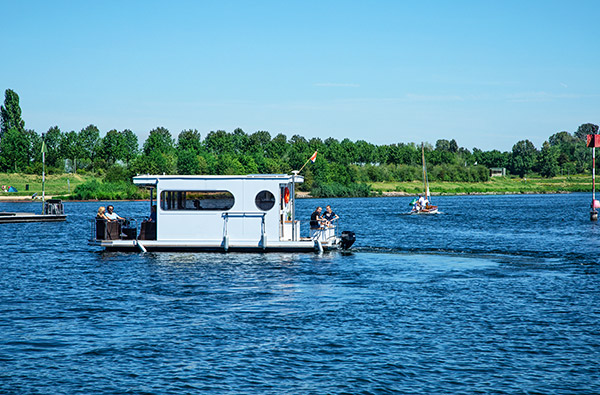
[{"x": 342, "y": 168}]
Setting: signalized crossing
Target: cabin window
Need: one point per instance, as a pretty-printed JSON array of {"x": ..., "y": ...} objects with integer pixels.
[
  {"x": 196, "y": 200},
  {"x": 265, "y": 200}
]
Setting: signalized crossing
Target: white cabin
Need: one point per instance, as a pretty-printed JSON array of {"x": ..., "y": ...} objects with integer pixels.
[{"x": 230, "y": 212}]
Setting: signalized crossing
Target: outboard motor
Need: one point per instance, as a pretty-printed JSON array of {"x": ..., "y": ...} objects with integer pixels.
[{"x": 348, "y": 238}]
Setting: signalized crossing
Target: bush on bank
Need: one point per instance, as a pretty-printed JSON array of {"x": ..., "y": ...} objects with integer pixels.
[
  {"x": 331, "y": 190},
  {"x": 95, "y": 190}
]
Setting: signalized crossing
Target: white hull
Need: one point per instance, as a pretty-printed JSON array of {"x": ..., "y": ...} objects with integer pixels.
[
  {"x": 429, "y": 212},
  {"x": 307, "y": 245}
]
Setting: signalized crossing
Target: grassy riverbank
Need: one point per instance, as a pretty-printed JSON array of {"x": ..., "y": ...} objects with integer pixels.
[
  {"x": 500, "y": 185},
  {"x": 63, "y": 184}
]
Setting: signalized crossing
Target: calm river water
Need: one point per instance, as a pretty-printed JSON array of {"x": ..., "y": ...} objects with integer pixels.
[{"x": 500, "y": 294}]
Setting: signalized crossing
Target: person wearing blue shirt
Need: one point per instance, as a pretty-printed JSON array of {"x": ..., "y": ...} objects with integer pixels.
[{"x": 329, "y": 215}]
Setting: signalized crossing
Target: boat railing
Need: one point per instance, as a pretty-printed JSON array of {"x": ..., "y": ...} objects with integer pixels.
[
  {"x": 54, "y": 207},
  {"x": 102, "y": 229},
  {"x": 243, "y": 214},
  {"x": 326, "y": 232}
]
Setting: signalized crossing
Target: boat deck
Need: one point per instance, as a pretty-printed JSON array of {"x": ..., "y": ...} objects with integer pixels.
[
  {"x": 304, "y": 244},
  {"x": 30, "y": 217}
]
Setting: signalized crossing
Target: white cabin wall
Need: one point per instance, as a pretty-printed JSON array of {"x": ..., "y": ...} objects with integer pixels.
[{"x": 208, "y": 225}]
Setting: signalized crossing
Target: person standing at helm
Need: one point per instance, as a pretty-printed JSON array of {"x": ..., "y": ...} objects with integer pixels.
[{"x": 315, "y": 218}]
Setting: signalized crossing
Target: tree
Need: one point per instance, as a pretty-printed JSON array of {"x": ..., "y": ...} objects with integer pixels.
[
  {"x": 11, "y": 113},
  {"x": 523, "y": 157},
  {"x": 35, "y": 146},
  {"x": 187, "y": 162},
  {"x": 561, "y": 138},
  {"x": 89, "y": 141},
  {"x": 14, "y": 150},
  {"x": 298, "y": 151},
  {"x": 53, "y": 138},
  {"x": 154, "y": 163},
  {"x": 160, "y": 141},
  {"x": 277, "y": 147},
  {"x": 350, "y": 150},
  {"x": 112, "y": 147},
  {"x": 585, "y": 129},
  {"x": 219, "y": 142},
  {"x": 71, "y": 148},
  {"x": 493, "y": 158},
  {"x": 334, "y": 152},
  {"x": 257, "y": 142},
  {"x": 240, "y": 140},
  {"x": 453, "y": 146},
  {"x": 365, "y": 152},
  {"x": 565, "y": 144},
  {"x": 131, "y": 148},
  {"x": 189, "y": 140},
  {"x": 403, "y": 154},
  {"x": 548, "y": 160},
  {"x": 583, "y": 158},
  {"x": 442, "y": 145}
]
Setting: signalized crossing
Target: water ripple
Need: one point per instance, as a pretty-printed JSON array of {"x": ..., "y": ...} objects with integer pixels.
[{"x": 484, "y": 300}]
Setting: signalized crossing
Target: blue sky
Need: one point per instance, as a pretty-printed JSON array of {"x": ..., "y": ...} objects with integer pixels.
[{"x": 486, "y": 73}]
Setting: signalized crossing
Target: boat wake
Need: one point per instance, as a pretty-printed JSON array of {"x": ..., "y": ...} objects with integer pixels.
[{"x": 540, "y": 256}]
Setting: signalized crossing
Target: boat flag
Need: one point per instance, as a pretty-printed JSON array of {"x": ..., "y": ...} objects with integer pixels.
[{"x": 312, "y": 159}]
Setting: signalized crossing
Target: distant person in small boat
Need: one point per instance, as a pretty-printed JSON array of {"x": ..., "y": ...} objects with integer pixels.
[
  {"x": 111, "y": 215},
  {"x": 101, "y": 213},
  {"x": 329, "y": 215},
  {"x": 316, "y": 220},
  {"x": 419, "y": 204}
]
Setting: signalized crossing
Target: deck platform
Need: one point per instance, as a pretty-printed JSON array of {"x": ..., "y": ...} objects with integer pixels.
[{"x": 6, "y": 217}]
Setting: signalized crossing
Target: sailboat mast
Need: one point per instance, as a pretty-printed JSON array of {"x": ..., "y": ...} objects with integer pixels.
[
  {"x": 425, "y": 180},
  {"x": 424, "y": 170}
]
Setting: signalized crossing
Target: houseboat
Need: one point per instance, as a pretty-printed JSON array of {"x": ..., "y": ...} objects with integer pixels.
[{"x": 218, "y": 213}]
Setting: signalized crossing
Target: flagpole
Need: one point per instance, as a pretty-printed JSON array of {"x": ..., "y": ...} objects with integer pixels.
[
  {"x": 293, "y": 194},
  {"x": 293, "y": 202},
  {"x": 305, "y": 163},
  {"x": 43, "y": 174}
]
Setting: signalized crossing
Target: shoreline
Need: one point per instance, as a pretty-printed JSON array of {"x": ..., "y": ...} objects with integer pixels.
[
  {"x": 299, "y": 195},
  {"x": 306, "y": 195}
]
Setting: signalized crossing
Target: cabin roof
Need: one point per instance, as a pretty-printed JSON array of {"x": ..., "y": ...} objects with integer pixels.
[{"x": 153, "y": 179}]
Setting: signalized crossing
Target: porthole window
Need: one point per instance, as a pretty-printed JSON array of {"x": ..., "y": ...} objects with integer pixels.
[{"x": 265, "y": 200}]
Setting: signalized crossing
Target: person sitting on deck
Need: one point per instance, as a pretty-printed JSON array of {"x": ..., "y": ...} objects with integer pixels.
[
  {"x": 329, "y": 215},
  {"x": 101, "y": 213},
  {"x": 418, "y": 204},
  {"x": 152, "y": 217},
  {"x": 111, "y": 215},
  {"x": 316, "y": 221}
]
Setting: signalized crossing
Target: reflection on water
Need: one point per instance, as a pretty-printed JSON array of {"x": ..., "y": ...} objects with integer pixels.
[{"x": 498, "y": 295}]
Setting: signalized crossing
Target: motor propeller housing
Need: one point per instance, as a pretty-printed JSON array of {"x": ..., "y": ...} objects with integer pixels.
[{"x": 348, "y": 238}]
